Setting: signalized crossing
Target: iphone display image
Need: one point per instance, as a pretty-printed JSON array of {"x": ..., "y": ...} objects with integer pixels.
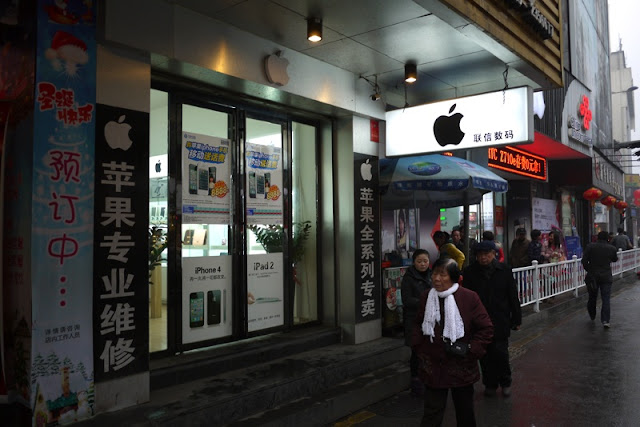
[
  {"x": 213, "y": 307},
  {"x": 203, "y": 181},
  {"x": 260, "y": 184},
  {"x": 196, "y": 309},
  {"x": 252, "y": 185},
  {"x": 188, "y": 237},
  {"x": 193, "y": 179},
  {"x": 212, "y": 179}
]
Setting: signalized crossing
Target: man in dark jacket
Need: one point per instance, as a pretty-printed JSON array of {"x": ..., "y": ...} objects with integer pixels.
[
  {"x": 597, "y": 261},
  {"x": 494, "y": 283}
]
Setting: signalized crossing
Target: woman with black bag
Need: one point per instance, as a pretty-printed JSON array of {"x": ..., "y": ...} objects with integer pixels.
[{"x": 451, "y": 333}]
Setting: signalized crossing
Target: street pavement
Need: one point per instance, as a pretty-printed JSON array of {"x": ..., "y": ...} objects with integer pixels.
[{"x": 569, "y": 372}]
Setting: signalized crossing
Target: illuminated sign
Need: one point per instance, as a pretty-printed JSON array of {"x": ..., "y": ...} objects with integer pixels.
[
  {"x": 519, "y": 162},
  {"x": 487, "y": 120}
]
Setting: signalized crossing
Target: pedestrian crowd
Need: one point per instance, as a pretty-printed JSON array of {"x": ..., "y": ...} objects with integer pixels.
[{"x": 458, "y": 316}]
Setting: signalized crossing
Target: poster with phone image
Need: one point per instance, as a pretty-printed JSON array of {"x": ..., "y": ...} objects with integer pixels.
[
  {"x": 206, "y": 179},
  {"x": 206, "y": 298},
  {"x": 264, "y": 182}
]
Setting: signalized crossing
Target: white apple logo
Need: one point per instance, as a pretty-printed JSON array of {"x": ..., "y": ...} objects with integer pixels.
[
  {"x": 365, "y": 171},
  {"x": 117, "y": 134},
  {"x": 275, "y": 66}
]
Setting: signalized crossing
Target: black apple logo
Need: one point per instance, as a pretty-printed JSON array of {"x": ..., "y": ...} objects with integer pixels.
[
  {"x": 447, "y": 128},
  {"x": 158, "y": 166}
]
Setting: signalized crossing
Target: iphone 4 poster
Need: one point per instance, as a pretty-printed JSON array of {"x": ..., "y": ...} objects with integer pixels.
[
  {"x": 206, "y": 179},
  {"x": 206, "y": 298},
  {"x": 264, "y": 183}
]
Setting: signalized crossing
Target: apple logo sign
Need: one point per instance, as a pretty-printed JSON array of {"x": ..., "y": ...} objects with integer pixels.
[
  {"x": 159, "y": 166},
  {"x": 275, "y": 67},
  {"x": 446, "y": 129},
  {"x": 365, "y": 171},
  {"x": 117, "y": 134}
]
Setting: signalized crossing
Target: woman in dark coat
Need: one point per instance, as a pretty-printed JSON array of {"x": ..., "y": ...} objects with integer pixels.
[
  {"x": 450, "y": 313},
  {"x": 415, "y": 281}
]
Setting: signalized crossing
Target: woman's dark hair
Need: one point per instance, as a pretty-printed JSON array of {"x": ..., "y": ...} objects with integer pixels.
[
  {"x": 556, "y": 238},
  {"x": 419, "y": 252},
  {"x": 487, "y": 235},
  {"x": 535, "y": 234},
  {"x": 450, "y": 266}
]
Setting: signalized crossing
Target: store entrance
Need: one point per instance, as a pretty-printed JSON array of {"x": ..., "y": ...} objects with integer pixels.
[{"x": 232, "y": 227}]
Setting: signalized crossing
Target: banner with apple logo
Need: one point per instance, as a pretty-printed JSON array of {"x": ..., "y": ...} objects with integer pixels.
[
  {"x": 264, "y": 183},
  {"x": 120, "y": 267},
  {"x": 367, "y": 237},
  {"x": 206, "y": 179},
  {"x": 486, "y": 120}
]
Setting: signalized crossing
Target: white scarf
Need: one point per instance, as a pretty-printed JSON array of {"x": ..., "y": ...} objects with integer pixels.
[{"x": 453, "y": 325}]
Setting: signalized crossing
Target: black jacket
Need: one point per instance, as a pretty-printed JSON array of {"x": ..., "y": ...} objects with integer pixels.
[
  {"x": 413, "y": 285},
  {"x": 498, "y": 292},
  {"x": 597, "y": 259}
]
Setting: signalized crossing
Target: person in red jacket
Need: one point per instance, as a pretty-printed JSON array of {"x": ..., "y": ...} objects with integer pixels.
[{"x": 451, "y": 333}]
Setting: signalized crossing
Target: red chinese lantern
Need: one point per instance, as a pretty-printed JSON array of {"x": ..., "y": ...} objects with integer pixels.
[
  {"x": 593, "y": 194},
  {"x": 621, "y": 205},
  {"x": 608, "y": 201}
]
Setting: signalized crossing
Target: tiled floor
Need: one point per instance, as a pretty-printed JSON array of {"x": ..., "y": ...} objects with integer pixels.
[{"x": 158, "y": 332}]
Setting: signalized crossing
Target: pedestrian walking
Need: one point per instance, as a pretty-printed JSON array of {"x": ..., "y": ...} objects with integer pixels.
[
  {"x": 597, "y": 261},
  {"x": 535, "y": 247},
  {"x": 456, "y": 238},
  {"x": 621, "y": 240},
  {"x": 518, "y": 255},
  {"x": 452, "y": 330},
  {"x": 416, "y": 280},
  {"x": 495, "y": 285},
  {"x": 447, "y": 249}
]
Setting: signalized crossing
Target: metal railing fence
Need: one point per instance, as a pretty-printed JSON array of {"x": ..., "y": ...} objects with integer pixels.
[{"x": 541, "y": 281}]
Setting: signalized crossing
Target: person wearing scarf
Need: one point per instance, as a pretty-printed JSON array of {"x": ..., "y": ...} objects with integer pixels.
[{"x": 453, "y": 313}]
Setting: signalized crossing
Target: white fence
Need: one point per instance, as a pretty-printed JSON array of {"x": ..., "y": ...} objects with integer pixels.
[{"x": 541, "y": 281}]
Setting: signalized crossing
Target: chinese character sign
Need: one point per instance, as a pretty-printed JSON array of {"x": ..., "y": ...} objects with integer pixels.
[
  {"x": 62, "y": 211},
  {"x": 120, "y": 264},
  {"x": 367, "y": 238},
  {"x": 206, "y": 179}
]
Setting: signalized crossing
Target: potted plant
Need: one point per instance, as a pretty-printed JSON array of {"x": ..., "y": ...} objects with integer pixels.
[{"x": 157, "y": 245}]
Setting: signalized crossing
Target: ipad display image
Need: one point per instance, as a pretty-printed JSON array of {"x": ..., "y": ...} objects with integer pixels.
[
  {"x": 252, "y": 185},
  {"x": 199, "y": 237},
  {"x": 193, "y": 179},
  {"x": 188, "y": 237},
  {"x": 196, "y": 309},
  {"x": 260, "y": 184},
  {"x": 213, "y": 307}
]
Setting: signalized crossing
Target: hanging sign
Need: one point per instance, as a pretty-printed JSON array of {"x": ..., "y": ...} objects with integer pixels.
[{"x": 491, "y": 119}]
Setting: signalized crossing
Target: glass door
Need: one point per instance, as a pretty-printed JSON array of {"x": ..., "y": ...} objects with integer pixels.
[
  {"x": 265, "y": 185},
  {"x": 206, "y": 201}
]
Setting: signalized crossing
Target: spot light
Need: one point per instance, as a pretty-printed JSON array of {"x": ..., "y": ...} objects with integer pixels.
[
  {"x": 314, "y": 29},
  {"x": 410, "y": 73}
]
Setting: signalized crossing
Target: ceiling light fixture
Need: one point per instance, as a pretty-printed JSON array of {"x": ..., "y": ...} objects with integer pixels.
[
  {"x": 410, "y": 73},
  {"x": 314, "y": 29}
]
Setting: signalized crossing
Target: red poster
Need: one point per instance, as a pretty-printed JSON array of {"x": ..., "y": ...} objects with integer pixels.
[{"x": 375, "y": 130}]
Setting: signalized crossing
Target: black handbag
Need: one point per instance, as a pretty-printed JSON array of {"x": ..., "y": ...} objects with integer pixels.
[
  {"x": 457, "y": 348},
  {"x": 590, "y": 281}
]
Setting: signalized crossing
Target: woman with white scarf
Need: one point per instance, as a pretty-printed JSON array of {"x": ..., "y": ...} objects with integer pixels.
[{"x": 451, "y": 334}]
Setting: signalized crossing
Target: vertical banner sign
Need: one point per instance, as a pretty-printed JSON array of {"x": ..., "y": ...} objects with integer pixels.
[
  {"x": 120, "y": 264},
  {"x": 367, "y": 237},
  {"x": 62, "y": 372},
  {"x": 206, "y": 169},
  {"x": 264, "y": 182}
]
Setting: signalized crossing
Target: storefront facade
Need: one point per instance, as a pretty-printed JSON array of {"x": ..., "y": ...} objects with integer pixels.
[{"x": 258, "y": 196}]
